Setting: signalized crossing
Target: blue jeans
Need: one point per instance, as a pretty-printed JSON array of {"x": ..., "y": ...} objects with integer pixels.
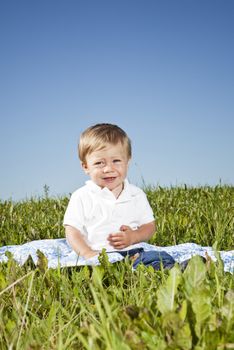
[{"x": 150, "y": 258}]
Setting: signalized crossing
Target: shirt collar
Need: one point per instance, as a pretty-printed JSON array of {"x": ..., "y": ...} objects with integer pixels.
[{"x": 124, "y": 196}]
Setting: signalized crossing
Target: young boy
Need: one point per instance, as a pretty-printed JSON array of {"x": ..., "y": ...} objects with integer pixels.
[{"x": 108, "y": 212}]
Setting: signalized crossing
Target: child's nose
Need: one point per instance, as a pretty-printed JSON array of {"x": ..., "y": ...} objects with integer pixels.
[{"x": 108, "y": 167}]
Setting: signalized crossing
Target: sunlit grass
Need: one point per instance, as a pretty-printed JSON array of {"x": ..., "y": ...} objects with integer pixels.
[{"x": 110, "y": 306}]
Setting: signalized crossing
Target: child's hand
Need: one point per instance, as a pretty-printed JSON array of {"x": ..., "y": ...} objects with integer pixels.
[{"x": 121, "y": 239}]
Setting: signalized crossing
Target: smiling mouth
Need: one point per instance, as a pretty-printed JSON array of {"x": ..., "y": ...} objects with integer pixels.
[{"x": 109, "y": 179}]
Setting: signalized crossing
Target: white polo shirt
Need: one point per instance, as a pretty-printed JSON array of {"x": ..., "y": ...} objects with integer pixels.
[{"x": 96, "y": 212}]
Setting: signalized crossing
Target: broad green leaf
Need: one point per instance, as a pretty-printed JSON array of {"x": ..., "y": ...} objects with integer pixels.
[
  {"x": 103, "y": 259},
  {"x": 3, "y": 282},
  {"x": 183, "y": 310},
  {"x": 227, "y": 310},
  {"x": 166, "y": 293},
  {"x": 97, "y": 275},
  {"x": 183, "y": 338},
  {"x": 10, "y": 325},
  {"x": 154, "y": 342},
  {"x": 178, "y": 332},
  {"x": 194, "y": 275},
  {"x": 228, "y": 307},
  {"x": 42, "y": 261},
  {"x": 201, "y": 305}
]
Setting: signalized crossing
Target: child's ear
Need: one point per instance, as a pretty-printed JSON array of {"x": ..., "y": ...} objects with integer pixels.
[{"x": 85, "y": 168}]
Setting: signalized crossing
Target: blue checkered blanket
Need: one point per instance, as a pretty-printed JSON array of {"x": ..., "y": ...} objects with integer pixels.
[{"x": 59, "y": 253}]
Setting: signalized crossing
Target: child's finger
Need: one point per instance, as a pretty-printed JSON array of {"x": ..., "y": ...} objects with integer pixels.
[
  {"x": 113, "y": 243},
  {"x": 117, "y": 240},
  {"x": 118, "y": 245},
  {"x": 115, "y": 237}
]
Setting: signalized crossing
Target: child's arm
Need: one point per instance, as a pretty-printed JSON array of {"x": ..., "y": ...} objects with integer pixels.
[
  {"x": 127, "y": 236},
  {"x": 77, "y": 242}
]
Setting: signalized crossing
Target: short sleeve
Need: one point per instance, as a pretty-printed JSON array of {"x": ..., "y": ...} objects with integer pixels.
[
  {"x": 74, "y": 215},
  {"x": 145, "y": 211}
]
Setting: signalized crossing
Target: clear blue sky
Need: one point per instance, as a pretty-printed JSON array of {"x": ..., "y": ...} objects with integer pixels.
[{"x": 161, "y": 69}]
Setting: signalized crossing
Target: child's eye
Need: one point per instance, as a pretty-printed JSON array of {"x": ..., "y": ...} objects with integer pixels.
[
  {"x": 116, "y": 160},
  {"x": 98, "y": 163}
]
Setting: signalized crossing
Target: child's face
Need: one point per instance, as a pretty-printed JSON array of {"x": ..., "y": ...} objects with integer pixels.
[{"x": 108, "y": 167}]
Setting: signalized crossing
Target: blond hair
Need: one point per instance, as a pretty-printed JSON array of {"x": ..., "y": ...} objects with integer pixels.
[{"x": 97, "y": 136}]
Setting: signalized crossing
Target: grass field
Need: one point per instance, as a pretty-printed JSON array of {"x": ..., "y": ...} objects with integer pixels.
[{"x": 110, "y": 306}]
